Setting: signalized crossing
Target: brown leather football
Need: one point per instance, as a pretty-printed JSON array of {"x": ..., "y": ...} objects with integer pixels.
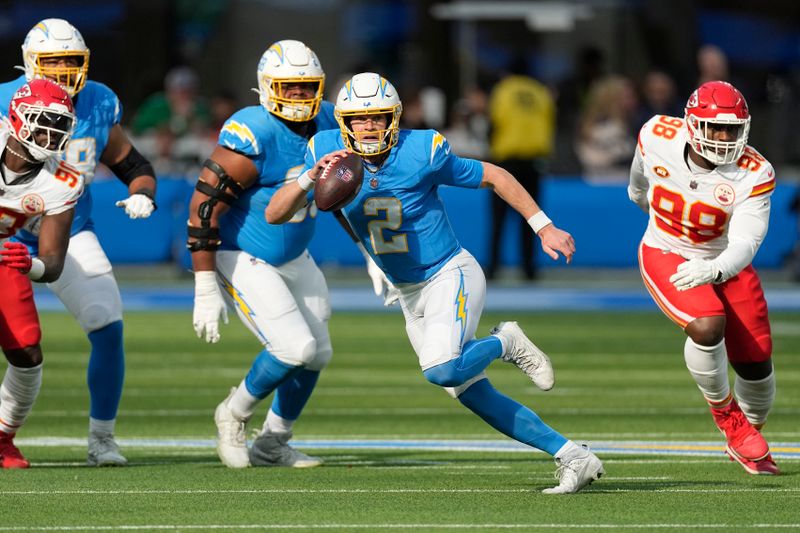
[{"x": 339, "y": 183}]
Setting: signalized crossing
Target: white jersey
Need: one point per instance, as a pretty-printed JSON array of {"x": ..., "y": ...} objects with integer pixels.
[
  {"x": 55, "y": 189},
  {"x": 720, "y": 214}
]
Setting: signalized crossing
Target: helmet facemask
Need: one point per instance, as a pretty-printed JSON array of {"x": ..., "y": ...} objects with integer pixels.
[
  {"x": 71, "y": 78},
  {"x": 291, "y": 109},
  {"x": 386, "y": 138},
  {"x": 42, "y": 130},
  {"x": 702, "y": 140}
]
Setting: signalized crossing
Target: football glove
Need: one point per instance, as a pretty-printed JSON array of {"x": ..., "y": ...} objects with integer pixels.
[
  {"x": 209, "y": 306},
  {"x": 137, "y": 206},
  {"x": 16, "y": 255},
  {"x": 695, "y": 272}
]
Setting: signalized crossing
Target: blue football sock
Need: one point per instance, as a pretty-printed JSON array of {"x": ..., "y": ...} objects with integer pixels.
[
  {"x": 475, "y": 357},
  {"x": 293, "y": 394},
  {"x": 266, "y": 373},
  {"x": 511, "y": 418},
  {"x": 106, "y": 372}
]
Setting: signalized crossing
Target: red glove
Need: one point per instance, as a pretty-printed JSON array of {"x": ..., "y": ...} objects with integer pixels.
[{"x": 16, "y": 255}]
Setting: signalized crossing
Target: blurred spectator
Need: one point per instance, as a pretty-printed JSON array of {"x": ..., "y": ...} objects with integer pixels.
[
  {"x": 413, "y": 116},
  {"x": 659, "y": 97},
  {"x": 172, "y": 125},
  {"x": 222, "y": 106},
  {"x": 177, "y": 109},
  {"x": 571, "y": 94},
  {"x": 522, "y": 118},
  {"x": 468, "y": 131},
  {"x": 712, "y": 64},
  {"x": 606, "y": 137}
]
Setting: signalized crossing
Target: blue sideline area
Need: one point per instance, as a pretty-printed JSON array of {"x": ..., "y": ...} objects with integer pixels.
[{"x": 607, "y": 227}]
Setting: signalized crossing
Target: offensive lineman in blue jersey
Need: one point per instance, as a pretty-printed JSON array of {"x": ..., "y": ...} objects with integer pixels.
[
  {"x": 400, "y": 219},
  {"x": 264, "y": 271},
  {"x": 54, "y": 49}
]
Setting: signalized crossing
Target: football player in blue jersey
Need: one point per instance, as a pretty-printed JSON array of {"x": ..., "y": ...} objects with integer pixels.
[
  {"x": 55, "y": 50},
  {"x": 399, "y": 218},
  {"x": 264, "y": 271}
]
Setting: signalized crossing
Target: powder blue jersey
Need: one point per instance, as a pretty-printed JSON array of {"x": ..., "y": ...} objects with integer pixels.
[
  {"x": 97, "y": 109},
  {"x": 398, "y": 214},
  {"x": 277, "y": 153}
]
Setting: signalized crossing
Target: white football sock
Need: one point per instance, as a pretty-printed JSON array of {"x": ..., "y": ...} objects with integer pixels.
[
  {"x": 755, "y": 397},
  {"x": 242, "y": 403},
  {"x": 568, "y": 448},
  {"x": 277, "y": 424},
  {"x": 708, "y": 365},
  {"x": 102, "y": 427},
  {"x": 17, "y": 395}
]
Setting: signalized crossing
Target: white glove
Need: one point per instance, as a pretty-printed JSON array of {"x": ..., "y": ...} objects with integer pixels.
[
  {"x": 380, "y": 283},
  {"x": 695, "y": 272},
  {"x": 208, "y": 306},
  {"x": 137, "y": 206}
]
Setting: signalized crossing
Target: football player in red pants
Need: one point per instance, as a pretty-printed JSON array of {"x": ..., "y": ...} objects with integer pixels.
[
  {"x": 37, "y": 192},
  {"x": 707, "y": 194}
]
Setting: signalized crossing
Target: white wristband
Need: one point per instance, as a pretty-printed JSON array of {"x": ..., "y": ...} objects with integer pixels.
[
  {"x": 305, "y": 182},
  {"x": 538, "y": 221},
  {"x": 37, "y": 269}
]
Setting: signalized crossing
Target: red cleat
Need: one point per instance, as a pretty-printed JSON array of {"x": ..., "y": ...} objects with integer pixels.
[
  {"x": 744, "y": 440},
  {"x": 764, "y": 467},
  {"x": 10, "y": 456}
]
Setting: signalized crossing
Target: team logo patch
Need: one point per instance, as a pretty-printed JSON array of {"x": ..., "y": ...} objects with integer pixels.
[
  {"x": 661, "y": 172},
  {"x": 344, "y": 174},
  {"x": 32, "y": 204},
  {"x": 724, "y": 194}
]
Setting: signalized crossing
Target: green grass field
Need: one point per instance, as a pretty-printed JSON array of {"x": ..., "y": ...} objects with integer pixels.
[{"x": 619, "y": 377}]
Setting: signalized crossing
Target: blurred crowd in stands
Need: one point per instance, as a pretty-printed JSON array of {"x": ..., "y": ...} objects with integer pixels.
[{"x": 586, "y": 125}]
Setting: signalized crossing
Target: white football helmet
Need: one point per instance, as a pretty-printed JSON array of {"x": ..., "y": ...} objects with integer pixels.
[
  {"x": 287, "y": 62},
  {"x": 369, "y": 94},
  {"x": 55, "y": 38}
]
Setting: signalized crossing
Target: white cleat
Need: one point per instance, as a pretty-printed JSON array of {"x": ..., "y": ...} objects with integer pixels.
[
  {"x": 104, "y": 451},
  {"x": 271, "y": 449},
  {"x": 526, "y": 355},
  {"x": 576, "y": 470},
  {"x": 231, "y": 438}
]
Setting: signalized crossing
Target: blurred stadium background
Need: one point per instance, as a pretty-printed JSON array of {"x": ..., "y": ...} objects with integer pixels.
[{"x": 442, "y": 56}]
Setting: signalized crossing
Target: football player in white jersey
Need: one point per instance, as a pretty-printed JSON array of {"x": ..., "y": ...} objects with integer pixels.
[
  {"x": 707, "y": 194},
  {"x": 36, "y": 191}
]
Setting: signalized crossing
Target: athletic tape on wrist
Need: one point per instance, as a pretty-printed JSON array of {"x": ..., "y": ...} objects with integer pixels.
[{"x": 538, "y": 221}]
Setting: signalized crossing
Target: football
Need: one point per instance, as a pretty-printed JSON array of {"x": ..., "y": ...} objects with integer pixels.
[{"x": 339, "y": 183}]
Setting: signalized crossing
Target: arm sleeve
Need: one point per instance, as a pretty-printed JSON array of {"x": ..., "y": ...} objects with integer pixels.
[
  {"x": 639, "y": 185},
  {"x": 746, "y": 231}
]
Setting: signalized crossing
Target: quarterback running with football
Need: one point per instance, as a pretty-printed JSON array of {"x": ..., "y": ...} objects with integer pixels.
[
  {"x": 399, "y": 218},
  {"x": 37, "y": 192},
  {"x": 707, "y": 194},
  {"x": 55, "y": 50},
  {"x": 263, "y": 271}
]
